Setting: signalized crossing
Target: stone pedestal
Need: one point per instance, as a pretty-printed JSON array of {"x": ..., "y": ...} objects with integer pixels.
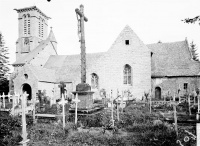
[{"x": 85, "y": 95}]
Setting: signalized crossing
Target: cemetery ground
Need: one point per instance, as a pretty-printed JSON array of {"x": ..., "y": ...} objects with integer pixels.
[{"x": 135, "y": 126}]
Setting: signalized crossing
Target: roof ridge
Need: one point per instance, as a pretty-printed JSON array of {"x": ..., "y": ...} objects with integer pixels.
[{"x": 166, "y": 43}]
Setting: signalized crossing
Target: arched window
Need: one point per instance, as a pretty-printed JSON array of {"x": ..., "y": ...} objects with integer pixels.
[
  {"x": 94, "y": 81},
  {"x": 127, "y": 74}
]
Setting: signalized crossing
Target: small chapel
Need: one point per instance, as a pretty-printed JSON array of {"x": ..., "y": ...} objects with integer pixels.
[{"x": 128, "y": 65}]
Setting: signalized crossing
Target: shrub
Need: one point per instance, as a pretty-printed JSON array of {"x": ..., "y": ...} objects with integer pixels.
[{"x": 10, "y": 133}]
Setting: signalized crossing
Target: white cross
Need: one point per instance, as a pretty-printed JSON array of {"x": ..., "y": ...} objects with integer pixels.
[
  {"x": 76, "y": 100},
  {"x": 4, "y": 104},
  {"x": 63, "y": 102},
  {"x": 24, "y": 133}
]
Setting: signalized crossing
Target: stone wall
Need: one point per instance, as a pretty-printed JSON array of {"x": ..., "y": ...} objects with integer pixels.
[{"x": 173, "y": 84}]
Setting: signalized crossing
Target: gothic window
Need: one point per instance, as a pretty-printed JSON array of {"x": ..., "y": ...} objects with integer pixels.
[
  {"x": 127, "y": 74},
  {"x": 94, "y": 81}
]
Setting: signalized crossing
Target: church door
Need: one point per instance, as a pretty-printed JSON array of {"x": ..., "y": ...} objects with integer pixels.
[
  {"x": 158, "y": 93},
  {"x": 27, "y": 88}
]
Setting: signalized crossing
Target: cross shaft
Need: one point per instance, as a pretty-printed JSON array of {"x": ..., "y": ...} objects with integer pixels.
[{"x": 83, "y": 54}]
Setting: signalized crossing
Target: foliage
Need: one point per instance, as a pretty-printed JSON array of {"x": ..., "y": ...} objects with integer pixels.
[
  {"x": 4, "y": 69},
  {"x": 192, "y": 20},
  {"x": 10, "y": 133},
  {"x": 193, "y": 49}
]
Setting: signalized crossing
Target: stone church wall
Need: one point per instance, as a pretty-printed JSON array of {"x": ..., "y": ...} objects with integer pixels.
[
  {"x": 173, "y": 84},
  {"x": 137, "y": 55}
]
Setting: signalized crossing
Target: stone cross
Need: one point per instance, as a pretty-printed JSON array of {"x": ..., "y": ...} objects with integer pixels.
[
  {"x": 24, "y": 133},
  {"x": 76, "y": 100},
  {"x": 80, "y": 13},
  {"x": 63, "y": 109}
]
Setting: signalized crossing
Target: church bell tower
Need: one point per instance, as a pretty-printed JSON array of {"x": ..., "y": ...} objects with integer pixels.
[{"x": 32, "y": 29}]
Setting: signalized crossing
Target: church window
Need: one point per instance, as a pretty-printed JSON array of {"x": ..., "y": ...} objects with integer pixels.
[
  {"x": 94, "y": 81},
  {"x": 127, "y": 42},
  {"x": 127, "y": 74}
]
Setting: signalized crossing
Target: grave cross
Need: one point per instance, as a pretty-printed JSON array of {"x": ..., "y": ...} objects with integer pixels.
[
  {"x": 24, "y": 133},
  {"x": 76, "y": 100},
  {"x": 4, "y": 104},
  {"x": 198, "y": 110},
  {"x": 80, "y": 13},
  {"x": 63, "y": 109},
  {"x": 121, "y": 103},
  {"x": 175, "y": 114}
]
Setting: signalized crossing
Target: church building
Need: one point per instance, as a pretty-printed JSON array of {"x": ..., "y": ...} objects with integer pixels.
[{"x": 128, "y": 65}]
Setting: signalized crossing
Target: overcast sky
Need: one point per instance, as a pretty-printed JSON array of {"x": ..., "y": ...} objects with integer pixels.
[{"x": 151, "y": 20}]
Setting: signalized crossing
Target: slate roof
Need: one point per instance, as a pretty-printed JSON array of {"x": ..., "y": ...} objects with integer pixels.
[
  {"x": 173, "y": 59},
  {"x": 43, "y": 74},
  {"x": 68, "y": 67}
]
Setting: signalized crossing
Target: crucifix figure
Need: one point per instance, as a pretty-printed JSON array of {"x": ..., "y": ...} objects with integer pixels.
[
  {"x": 81, "y": 20},
  {"x": 62, "y": 88}
]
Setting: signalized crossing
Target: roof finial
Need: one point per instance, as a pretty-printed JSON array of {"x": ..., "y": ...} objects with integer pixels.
[{"x": 51, "y": 27}]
